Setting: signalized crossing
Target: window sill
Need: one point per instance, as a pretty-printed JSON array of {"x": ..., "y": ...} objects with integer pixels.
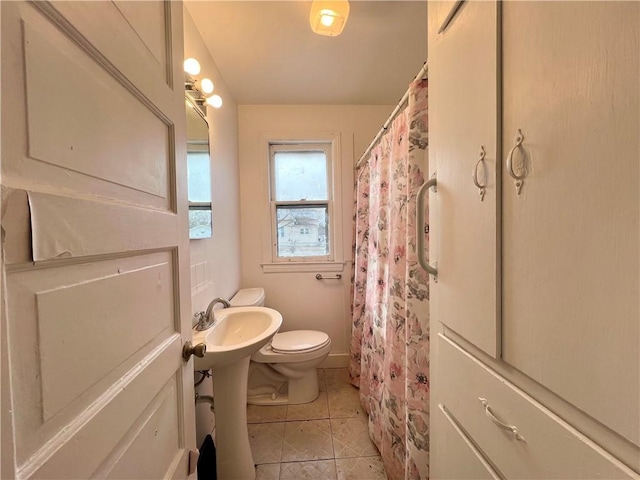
[{"x": 303, "y": 267}]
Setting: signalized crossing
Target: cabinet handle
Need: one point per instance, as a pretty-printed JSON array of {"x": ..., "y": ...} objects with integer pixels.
[
  {"x": 420, "y": 226},
  {"x": 481, "y": 188},
  {"x": 519, "y": 179},
  {"x": 511, "y": 428}
]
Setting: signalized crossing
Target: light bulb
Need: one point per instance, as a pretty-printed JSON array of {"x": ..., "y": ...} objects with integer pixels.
[
  {"x": 215, "y": 101},
  {"x": 327, "y": 17},
  {"x": 206, "y": 85},
  {"x": 192, "y": 66}
]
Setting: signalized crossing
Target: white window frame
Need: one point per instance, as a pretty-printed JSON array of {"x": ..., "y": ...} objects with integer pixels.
[
  {"x": 325, "y": 263},
  {"x": 300, "y": 147}
]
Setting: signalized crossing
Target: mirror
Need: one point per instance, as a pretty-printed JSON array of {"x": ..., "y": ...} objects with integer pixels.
[{"x": 199, "y": 173}]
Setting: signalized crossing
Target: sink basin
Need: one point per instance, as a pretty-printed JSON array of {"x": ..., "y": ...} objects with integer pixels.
[{"x": 237, "y": 333}]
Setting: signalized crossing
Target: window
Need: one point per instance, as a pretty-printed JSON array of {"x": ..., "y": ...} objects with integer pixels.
[
  {"x": 199, "y": 174},
  {"x": 301, "y": 202},
  {"x": 200, "y": 224}
]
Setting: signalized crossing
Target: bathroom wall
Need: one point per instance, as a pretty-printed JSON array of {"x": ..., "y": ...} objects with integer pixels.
[
  {"x": 305, "y": 303},
  {"x": 215, "y": 262}
]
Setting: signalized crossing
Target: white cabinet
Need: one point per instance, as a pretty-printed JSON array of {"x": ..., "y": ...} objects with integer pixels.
[
  {"x": 549, "y": 270},
  {"x": 458, "y": 458},
  {"x": 570, "y": 249},
  {"x": 468, "y": 273},
  {"x": 515, "y": 433}
]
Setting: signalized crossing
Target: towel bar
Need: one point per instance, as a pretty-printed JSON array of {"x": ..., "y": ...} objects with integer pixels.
[{"x": 320, "y": 277}]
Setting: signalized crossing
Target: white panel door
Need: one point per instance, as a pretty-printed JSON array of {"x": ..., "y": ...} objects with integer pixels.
[
  {"x": 96, "y": 303},
  {"x": 463, "y": 122},
  {"x": 572, "y": 237}
]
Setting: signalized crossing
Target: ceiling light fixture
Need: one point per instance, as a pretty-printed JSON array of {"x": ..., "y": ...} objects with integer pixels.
[{"x": 328, "y": 17}]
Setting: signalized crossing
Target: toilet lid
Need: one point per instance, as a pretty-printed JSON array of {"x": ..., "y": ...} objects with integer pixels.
[
  {"x": 298, "y": 341},
  {"x": 247, "y": 297}
]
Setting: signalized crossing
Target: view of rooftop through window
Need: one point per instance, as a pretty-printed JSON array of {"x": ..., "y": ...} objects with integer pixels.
[{"x": 302, "y": 231}]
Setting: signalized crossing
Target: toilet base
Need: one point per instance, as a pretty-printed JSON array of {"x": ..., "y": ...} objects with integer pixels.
[{"x": 295, "y": 392}]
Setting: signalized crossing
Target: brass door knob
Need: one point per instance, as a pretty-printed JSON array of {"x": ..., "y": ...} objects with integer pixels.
[{"x": 198, "y": 350}]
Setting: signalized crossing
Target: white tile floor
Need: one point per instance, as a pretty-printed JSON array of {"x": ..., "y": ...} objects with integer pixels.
[{"x": 327, "y": 439}]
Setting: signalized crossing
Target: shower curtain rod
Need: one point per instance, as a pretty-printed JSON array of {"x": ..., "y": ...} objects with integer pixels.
[{"x": 385, "y": 125}]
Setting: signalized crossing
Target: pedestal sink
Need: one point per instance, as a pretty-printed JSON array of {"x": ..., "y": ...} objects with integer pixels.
[{"x": 237, "y": 333}]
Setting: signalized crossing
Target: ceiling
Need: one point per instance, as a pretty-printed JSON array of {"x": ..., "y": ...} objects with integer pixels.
[{"x": 267, "y": 53}]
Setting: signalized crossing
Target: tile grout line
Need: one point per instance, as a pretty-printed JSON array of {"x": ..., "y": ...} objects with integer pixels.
[
  {"x": 326, "y": 394},
  {"x": 284, "y": 430},
  {"x": 333, "y": 448}
]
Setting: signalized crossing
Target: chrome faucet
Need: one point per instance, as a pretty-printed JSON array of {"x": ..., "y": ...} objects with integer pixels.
[{"x": 207, "y": 319}]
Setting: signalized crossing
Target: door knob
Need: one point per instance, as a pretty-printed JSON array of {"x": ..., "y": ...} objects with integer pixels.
[{"x": 189, "y": 349}]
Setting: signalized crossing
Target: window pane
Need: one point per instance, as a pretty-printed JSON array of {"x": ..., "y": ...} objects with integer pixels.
[
  {"x": 199, "y": 176},
  {"x": 300, "y": 176},
  {"x": 200, "y": 224},
  {"x": 303, "y": 231}
]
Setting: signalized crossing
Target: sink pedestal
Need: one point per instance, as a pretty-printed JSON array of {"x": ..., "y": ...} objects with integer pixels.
[
  {"x": 230, "y": 342},
  {"x": 233, "y": 452}
]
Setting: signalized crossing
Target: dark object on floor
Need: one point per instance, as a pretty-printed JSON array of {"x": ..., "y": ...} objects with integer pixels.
[{"x": 207, "y": 460}]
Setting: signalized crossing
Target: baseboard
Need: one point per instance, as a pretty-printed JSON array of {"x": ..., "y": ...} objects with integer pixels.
[{"x": 336, "y": 360}]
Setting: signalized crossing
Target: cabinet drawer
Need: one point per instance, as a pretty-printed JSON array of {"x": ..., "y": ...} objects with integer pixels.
[
  {"x": 547, "y": 448},
  {"x": 454, "y": 457}
]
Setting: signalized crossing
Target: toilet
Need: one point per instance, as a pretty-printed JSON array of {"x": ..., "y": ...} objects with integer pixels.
[{"x": 284, "y": 371}]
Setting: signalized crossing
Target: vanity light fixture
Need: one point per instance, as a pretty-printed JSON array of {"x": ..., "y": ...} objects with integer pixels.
[
  {"x": 199, "y": 95},
  {"x": 193, "y": 92},
  {"x": 329, "y": 17}
]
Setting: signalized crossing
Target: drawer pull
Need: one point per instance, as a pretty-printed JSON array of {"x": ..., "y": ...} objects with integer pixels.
[{"x": 512, "y": 428}]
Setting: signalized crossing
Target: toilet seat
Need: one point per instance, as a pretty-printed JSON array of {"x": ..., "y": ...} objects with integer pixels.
[
  {"x": 306, "y": 353},
  {"x": 298, "y": 341}
]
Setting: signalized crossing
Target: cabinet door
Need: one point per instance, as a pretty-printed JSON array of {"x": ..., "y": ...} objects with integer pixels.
[
  {"x": 571, "y": 237},
  {"x": 463, "y": 105}
]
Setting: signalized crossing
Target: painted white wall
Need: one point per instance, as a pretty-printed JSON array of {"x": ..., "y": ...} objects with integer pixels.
[
  {"x": 305, "y": 303},
  {"x": 215, "y": 262}
]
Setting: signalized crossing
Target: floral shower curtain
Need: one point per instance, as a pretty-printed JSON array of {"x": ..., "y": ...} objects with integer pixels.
[{"x": 390, "y": 331}]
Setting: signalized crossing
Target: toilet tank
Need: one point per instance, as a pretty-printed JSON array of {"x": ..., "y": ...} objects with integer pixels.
[{"x": 248, "y": 297}]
